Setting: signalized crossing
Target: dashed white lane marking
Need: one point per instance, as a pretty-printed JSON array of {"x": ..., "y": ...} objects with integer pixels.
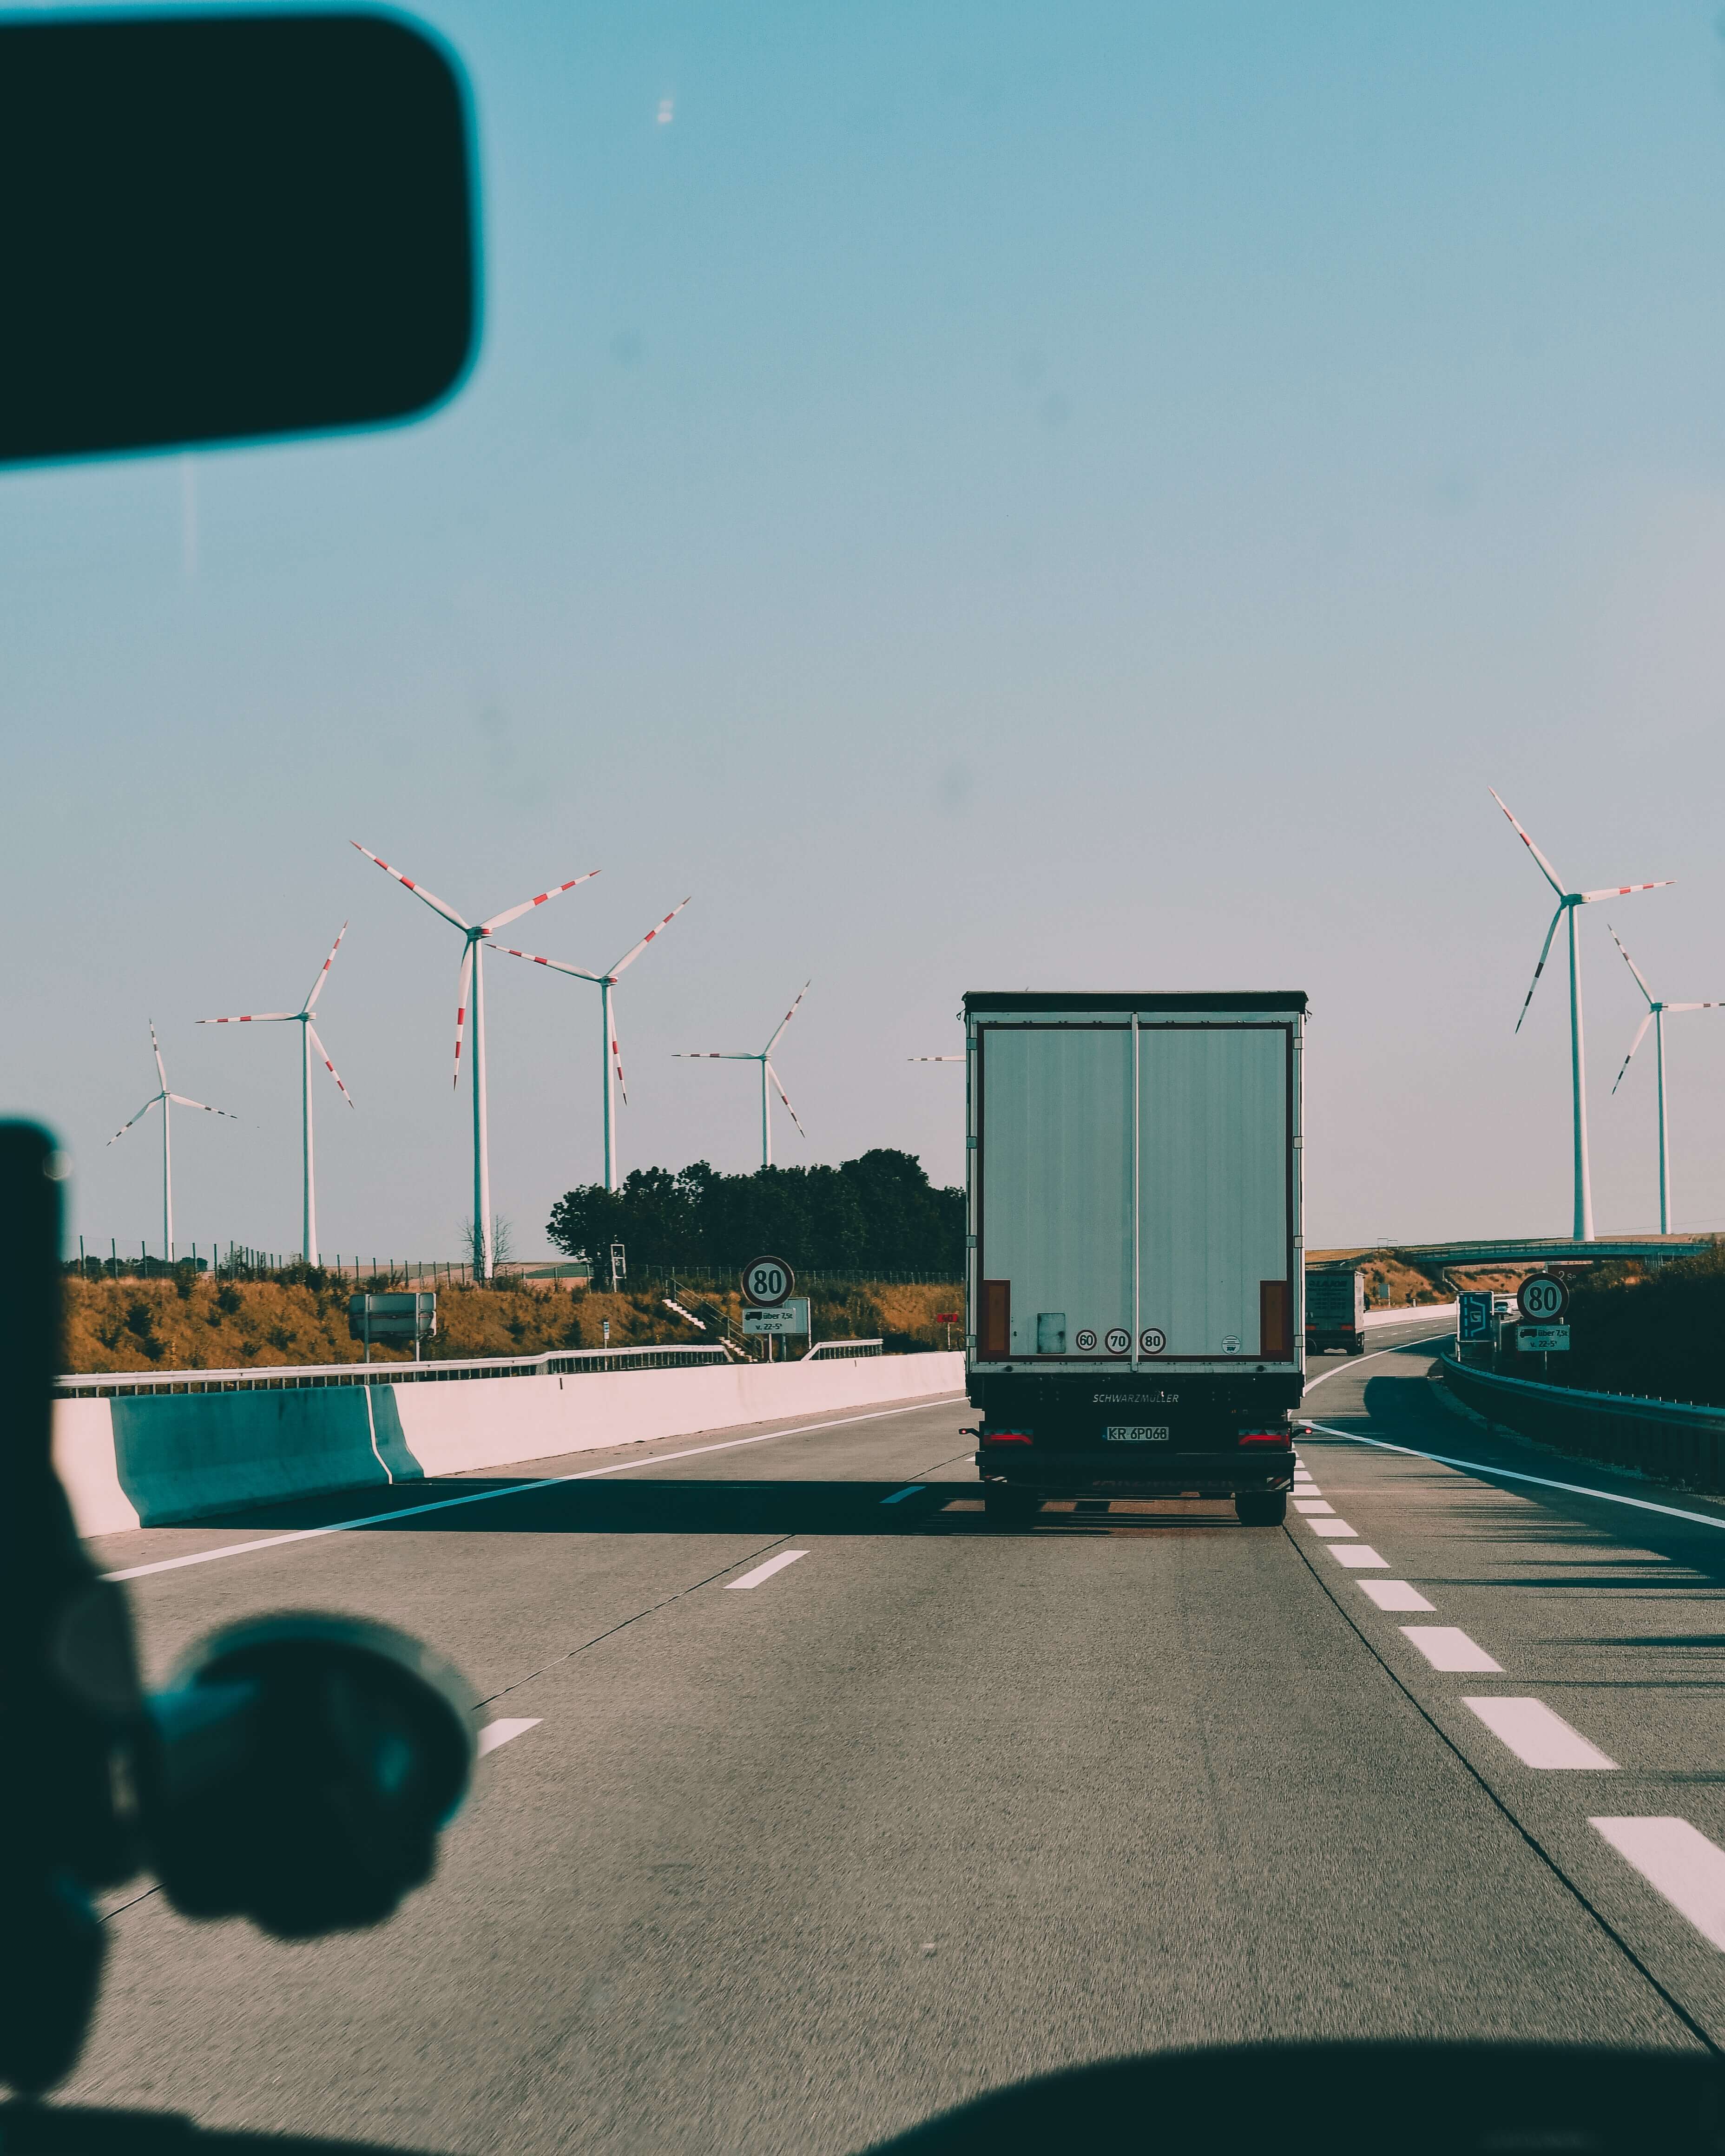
[
  {"x": 898, "y": 1497},
  {"x": 1310, "y": 1506},
  {"x": 1538, "y": 1737},
  {"x": 509, "y": 1490},
  {"x": 1338, "y": 1530},
  {"x": 1447, "y": 1647},
  {"x": 1679, "y": 1861},
  {"x": 499, "y": 1732},
  {"x": 765, "y": 1571},
  {"x": 1357, "y": 1557},
  {"x": 1393, "y": 1594}
]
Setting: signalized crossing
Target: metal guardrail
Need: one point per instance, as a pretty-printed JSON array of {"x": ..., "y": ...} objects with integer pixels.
[
  {"x": 291, "y": 1377},
  {"x": 1678, "y": 1441},
  {"x": 837, "y": 1351}
]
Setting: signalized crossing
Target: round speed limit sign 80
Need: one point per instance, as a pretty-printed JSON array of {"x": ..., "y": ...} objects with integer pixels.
[
  {"x": 1543, "y": 1299},
  {"x": 767, "y": 1282}
]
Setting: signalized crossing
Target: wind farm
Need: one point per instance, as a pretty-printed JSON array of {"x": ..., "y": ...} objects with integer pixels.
[{"x": 769, "y": 1076}]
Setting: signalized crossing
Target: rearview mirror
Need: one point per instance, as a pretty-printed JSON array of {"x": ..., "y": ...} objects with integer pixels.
[{"x": 227, "y": 227}]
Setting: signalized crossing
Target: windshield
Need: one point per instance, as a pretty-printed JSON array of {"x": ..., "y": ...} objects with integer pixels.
[{"x": 975, "y": 592}]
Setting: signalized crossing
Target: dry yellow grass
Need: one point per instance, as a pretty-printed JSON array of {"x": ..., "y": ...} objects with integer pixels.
[{"x": 194, "y": 1324}]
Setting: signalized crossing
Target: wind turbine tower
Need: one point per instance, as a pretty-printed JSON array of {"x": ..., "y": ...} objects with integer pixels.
[
  {"x": 768, "y": 1074},
  {"x": 308, "y": 1041},
  {"x": 612, "y": 1055},
  {"x": 1656, "y": 1018},
  {"x": 470, "y": 982},
  {"x": 1569, "y": 901},
  {"x": 169, "y": 1102}
]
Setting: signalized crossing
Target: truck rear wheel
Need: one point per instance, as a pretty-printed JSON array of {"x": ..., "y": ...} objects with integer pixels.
[
  {"x": 1001, "y": 1502},
  {"x": 1261, "y": 1508}
]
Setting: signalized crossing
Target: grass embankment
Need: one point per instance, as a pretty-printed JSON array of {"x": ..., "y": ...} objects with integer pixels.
[
  {"x": 1410, "y": 1284},
  {"x": 184, "y": 1323}
]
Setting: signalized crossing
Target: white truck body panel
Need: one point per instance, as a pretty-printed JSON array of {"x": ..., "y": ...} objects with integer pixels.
[{"x": 1135, "y": 1171}]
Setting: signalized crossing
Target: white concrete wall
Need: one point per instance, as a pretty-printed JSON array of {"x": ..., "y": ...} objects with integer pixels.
[{"x": 184, "y": 1456}]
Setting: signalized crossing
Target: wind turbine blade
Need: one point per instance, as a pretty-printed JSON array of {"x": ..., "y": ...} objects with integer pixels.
[
  {"x": 1635, "y": 969},
  {"x": 419, "y": 890},
  {"x": 556, "y": 965},
  {"x": 617, "y": 1060},
  {"x": 317, "y": 985},
  {"x": 462, "y": 986},
  {"x": 709, "y": 1055},
  {"x": 1672, "y": 1007},
  {"x": 251, "y": 1018},
  {"x": 328, "y": 1065},
  {"x": 934, "y": 1059},
  {"x": 1544, "y": 952},
  {"x": 1549, "y": 872},
  {"x": 155, "y": 1050},
  {"x": 1626, "y": 890},
  {"x": 628, "y": 957},
  {"x": 137, "y": 1118},
  {"x": 1640, "y": 1033},
  {"x": 782, "y": 1023},
  {"x": 180, "y": 1101},
  {"x": 515, "y": 913},
  {"x": 779, "y": 1088}
]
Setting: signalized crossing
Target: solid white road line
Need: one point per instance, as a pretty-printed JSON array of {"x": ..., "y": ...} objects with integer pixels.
[
  {"x": 765, "y": 1571},
  {"x": 1354, "y": 1362},
  {"x": 1509, "y": 1475},
  {"x": 1393, "y": 1594},
  {"x": 1680, "y": 1862},
  {"x": 499, "y": 1732},
  {"x": 1357, "y": 1557},
  {"x": 1336, "y": 1530},
  {"x": 1310, "y": 1506},
  {"x": 1447, "y": 1647},
  {"x": 1538, "y": 1737},
  {"x": 510, "y": 1490},
  {"x": 899, "y": 1496}
]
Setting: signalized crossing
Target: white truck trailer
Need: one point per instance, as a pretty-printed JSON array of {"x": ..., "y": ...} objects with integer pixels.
[
  {"x": 1135, "y": 1273},
  {"x": 1336, "y": 1310}
]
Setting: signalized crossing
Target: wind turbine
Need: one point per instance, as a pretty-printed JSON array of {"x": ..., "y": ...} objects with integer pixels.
[
  {"x": 169, "y": 1102},
  {"x": 765, "y": 1059},
  {"x": 308, "y": 1041},
  {"x": 613, "y": 1060},
  {"x": 1568, "y": 901},
  {"x": 1656, "y": 1018},
  {"x": 472, "y": 978}
]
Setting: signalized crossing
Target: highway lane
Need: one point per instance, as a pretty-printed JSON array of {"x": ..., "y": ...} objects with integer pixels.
[{"x": 936, "y": 1805}]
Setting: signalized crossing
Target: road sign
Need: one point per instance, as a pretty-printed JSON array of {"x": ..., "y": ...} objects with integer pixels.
[
  {"x": 766, "y": 1282},
  {"x": 1152, "y": 1340},
  {"x": 1543, "y": 1339},
  {"x": 1085, "y": 1342},
  {"x": 1543, "y": 1299},
  {"x": 1119, "y": 1341},
  {"x": 1473, "y": 1320},
  {"x": 776, "y": 1321}
]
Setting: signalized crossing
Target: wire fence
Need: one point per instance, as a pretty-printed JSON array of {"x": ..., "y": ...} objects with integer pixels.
[{"x": 236, "y": 1260}]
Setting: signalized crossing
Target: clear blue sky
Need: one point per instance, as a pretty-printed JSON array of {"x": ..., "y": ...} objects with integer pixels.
[{"x": 986, "y": 495}]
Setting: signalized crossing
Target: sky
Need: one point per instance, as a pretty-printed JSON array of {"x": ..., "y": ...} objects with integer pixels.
[{"x": 979, "y": 497}]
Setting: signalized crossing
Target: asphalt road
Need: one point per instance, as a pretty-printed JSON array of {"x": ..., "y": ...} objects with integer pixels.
[{"x": 935, "y": 1805}]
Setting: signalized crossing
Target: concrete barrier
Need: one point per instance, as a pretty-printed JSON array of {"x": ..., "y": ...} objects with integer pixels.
[{"x": 154, "y": 1461}]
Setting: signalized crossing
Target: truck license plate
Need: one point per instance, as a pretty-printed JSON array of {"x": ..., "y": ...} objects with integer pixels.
[{"x": 1137, "y": 1433}]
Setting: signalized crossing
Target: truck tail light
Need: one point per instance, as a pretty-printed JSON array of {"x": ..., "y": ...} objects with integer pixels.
[
  {"x": 1007, "y": 1437},
  {"x": 1264, "y": 1437}
]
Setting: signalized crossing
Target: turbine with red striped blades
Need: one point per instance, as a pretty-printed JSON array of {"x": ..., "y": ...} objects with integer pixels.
[
  {"x": 613, "y": 1057},
  {"x": 308, "y": 1041},
  {"x": 768, "y": 1074},
  {"x": 1569, "y": 903},
  {"x": 471, "y": 983},
  {"x": 1656, "y": 1018},
  {"x": 169, "y": 1102}
]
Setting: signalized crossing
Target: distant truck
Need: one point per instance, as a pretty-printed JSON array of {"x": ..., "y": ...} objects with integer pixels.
[
  {"x": 1335, "y": 1310},
  {"x": 1135, "y": 1277}
]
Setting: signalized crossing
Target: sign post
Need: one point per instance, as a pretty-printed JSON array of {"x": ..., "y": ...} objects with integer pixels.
[
  {"x": 1543, "y": 1301},
  {"x": 392, "y": 1317},
  {"x": 767, "y": 1283}
]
